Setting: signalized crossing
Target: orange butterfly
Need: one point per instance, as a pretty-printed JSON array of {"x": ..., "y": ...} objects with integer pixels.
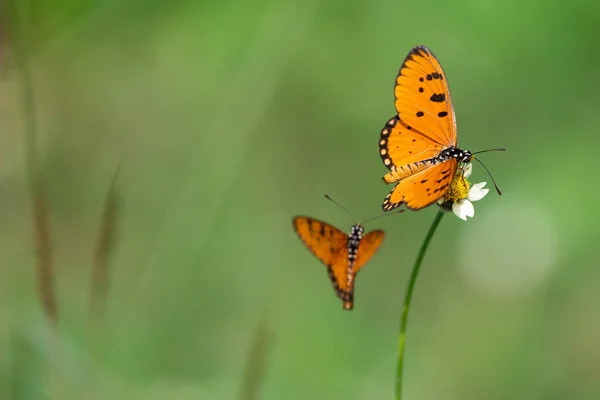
[
  {"x": 344, "y": 255},
  {"x": 419, "y": 145}
]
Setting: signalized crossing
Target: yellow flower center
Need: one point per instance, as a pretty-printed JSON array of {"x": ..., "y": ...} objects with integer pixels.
[{"x": 459, "y": 188}]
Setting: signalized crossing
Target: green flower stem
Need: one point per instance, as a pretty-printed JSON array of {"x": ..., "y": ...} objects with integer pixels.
[{"x": 407, "y": 300}]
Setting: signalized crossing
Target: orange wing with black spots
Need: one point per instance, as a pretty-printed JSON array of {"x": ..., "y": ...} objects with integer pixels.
[
  {"x": 403, "y": 151},
  {"x": 423, "y": 97},
  {"x": 330, "y": 245},
  {"x": 367, "y": 248},
  {"x": 422, "y": 189},
  {"x": 323, "y": 240},
  {"x": 411, "y": 144}
]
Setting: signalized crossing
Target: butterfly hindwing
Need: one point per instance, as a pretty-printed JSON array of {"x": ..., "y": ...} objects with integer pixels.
[
  {"x": 422, "y": 189},
  {"x": 338, "y": 273},
  {"x": 404, "y": 151},
  {"x": 423, "y": 97}
]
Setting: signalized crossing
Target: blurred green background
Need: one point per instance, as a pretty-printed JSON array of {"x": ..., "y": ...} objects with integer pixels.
[{"x": 227, "y": 119}]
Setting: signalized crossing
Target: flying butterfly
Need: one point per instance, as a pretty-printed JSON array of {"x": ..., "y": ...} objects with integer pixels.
[
  {"x": 343, "y": 254},
  {"x": 419, "y": 145}
]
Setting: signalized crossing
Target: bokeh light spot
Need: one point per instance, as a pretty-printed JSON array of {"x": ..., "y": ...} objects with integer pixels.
[{"x": 509, "y": 249}]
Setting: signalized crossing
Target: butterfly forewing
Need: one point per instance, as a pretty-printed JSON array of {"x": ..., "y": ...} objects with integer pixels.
[
  {"x": 367, "y": 248},
  {"x": 326, "y": 242},
  {"x": 329, "y": 245},
  {"x": 422, "y": 189},
  {"x": 423, "y": 97}
]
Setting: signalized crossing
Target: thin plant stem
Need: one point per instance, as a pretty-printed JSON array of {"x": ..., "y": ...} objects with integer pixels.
[
  {"x": 256, "y": 364},
  {"x": 104, "y": 249},
  {"x": 407, "y": 299},
  {"x": 41, "y": 220},
  {"x": 19, "y": 33}
]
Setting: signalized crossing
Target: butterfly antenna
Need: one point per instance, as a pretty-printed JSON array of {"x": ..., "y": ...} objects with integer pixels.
[
  {"x": 488, "y": 171},
  {"x": 382, "y": 215},
  {"x": 485, "y": 151},
  {"x": 342, "y": 207}
]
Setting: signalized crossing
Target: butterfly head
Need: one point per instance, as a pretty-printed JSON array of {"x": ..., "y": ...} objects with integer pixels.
[
  {"x": 467, "y": 156},
  {"x": 454, "y": 152},
  {"x": 356, "y": 234}
]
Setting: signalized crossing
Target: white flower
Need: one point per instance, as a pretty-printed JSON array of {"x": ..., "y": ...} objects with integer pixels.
[
  {"x": 463, "y": 208},
  {"x": 461, "y": 195}
]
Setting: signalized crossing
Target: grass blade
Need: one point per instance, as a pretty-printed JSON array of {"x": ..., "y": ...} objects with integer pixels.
[
  {"x": 41, "y": 222},
  {"x": 256, "y": 363},
  {"x": 104, "y": 248}
]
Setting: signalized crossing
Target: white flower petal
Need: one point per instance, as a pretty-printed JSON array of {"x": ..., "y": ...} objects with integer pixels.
[
  {"x": 463, "y": 209},
  {"x": 467, "y": 170},
  {"x": 468, "y": 208},
  {"x": 477, "y": 192},
  {"x": 456, "y": 209}
]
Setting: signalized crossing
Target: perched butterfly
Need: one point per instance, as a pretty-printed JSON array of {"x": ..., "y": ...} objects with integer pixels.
[
  {"x": 343, "y": 254},
  {"x": 419, "y": 145}
]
